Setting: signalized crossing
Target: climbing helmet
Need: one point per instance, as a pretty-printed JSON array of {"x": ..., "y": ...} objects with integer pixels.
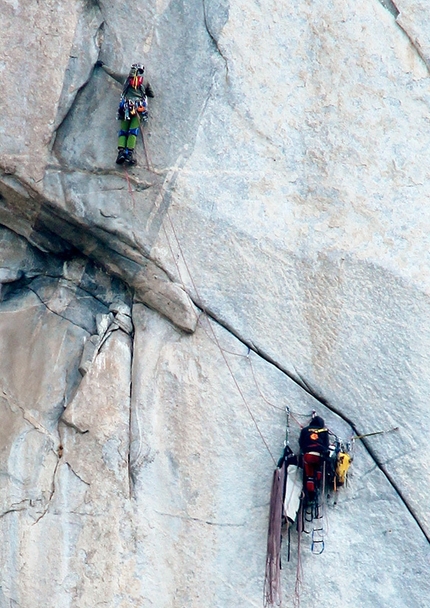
[{"x": 137, "y": 69}]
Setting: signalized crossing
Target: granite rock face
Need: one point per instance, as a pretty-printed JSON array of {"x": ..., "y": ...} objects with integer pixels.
[{"x": 269, "y": 250}]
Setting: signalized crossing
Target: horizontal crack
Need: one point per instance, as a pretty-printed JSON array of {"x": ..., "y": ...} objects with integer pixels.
[
  {"x": 201, "y": 521},
  {"x": 140, "y": 185},
  {"x": 51, "y": 495},
  {"x": 13, "y": 510}
]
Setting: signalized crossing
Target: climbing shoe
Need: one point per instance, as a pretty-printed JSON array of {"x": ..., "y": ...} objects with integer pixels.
[
  {"x": 122, "y": 154},
  {"x": 129, "y": 158}
]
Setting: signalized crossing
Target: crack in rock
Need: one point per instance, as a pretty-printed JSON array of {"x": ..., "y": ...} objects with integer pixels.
[
  {"x": 390, "y": 6},
  {"x": 51, "y": 494},
  {"x": 12, "y": 509},
  {"x": 415, "y": 43},
  {"x": 412, "y": 31},
  {"x": 76, "y": 474},
  {"x": 404, "y": 24},
  {"x": 141, "y": 185},
  {"x": 31, "y": 420},
  {"x": 214, "y": 39},
  {"x": 71, "y": 425},
  {"x": 304, "y": 385},
  {"x": 70, "y": 108},
  {"x": 131, "y": 480},
  {"x": 54, "y": 312},
  {"x": 201, "y": 521}
]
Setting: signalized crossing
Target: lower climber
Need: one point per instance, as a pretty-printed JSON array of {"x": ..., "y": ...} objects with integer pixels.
[
  {"x": 314, "y": 443},
  {"x": 132, "y": 109}
]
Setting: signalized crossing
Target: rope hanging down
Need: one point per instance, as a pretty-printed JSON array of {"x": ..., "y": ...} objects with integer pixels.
[
  {"x": 211, "y": 328},
  {"x": 215, "y": 339}
]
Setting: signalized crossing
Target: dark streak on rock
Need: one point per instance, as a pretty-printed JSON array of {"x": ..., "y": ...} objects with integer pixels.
[
  {"x": 390, "y": 6},
  {"x": 76, "y": 475},
  {"x": 73, "y": 426},
  {"x": 213, "y": 38},
  {"x": 51, "y": 495},
  {"x": 56, "y": 313},
  {"x": 12, "y": 510}
]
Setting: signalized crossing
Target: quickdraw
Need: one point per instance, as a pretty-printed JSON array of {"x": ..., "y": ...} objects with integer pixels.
[{"x": 131, "y": 107}]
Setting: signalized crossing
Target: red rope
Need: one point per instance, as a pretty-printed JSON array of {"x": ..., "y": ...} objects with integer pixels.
[
  {"x": 130, "y": 188},
  {"x": 299, "y": 571},
  {"x": 213, "y": 332},
  {"x": 148, "y": 162},
  {"x": 215, "y": 339}
]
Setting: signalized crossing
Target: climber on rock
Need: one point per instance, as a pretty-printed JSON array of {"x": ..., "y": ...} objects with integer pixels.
[
  {"x": 314, "y": 445},
  {"x": 132, "y": 110}
]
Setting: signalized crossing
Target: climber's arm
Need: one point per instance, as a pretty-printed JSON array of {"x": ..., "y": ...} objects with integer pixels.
[
  {"x": 115, "y": 75},
  {"x": 148, "y": 90}
]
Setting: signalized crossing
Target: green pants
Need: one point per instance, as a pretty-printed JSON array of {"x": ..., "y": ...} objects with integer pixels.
[{"x": 128, "y": 134}]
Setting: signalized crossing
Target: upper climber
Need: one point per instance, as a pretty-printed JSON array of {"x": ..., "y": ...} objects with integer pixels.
[{"x": 133, "y": 108}]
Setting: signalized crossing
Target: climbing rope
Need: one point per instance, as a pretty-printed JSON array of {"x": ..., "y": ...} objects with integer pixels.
[
  {"x": 299, "y": 569},
  {"x": 211, "y": 328},
  {"x": 215, "y": 339},
  {"x": 130, "y": 188}
]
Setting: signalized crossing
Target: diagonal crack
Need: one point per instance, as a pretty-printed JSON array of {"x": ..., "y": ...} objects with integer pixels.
[
  {"x": 73, "y": 426},
  {"x": 202, "y": 521},
  {"x": 56, "y": 313},
  {"x": 305, "y": 386},
  {"x": 14, "y": 509},
  {"x": 51, "y": 494},
  {"x": 76, "y": 474},
  {"x": 213, "y": 39},
  {"x": 414, "y": 42},
  {"x": 403, "y": 24},
  {"x": 390, "y": 6}
]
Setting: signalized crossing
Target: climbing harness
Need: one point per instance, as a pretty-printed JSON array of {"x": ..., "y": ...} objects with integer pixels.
[{"x": 133, "y": 107}]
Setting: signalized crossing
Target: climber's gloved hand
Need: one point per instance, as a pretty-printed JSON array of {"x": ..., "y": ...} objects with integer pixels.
[{"x": 98, "y": 63}]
